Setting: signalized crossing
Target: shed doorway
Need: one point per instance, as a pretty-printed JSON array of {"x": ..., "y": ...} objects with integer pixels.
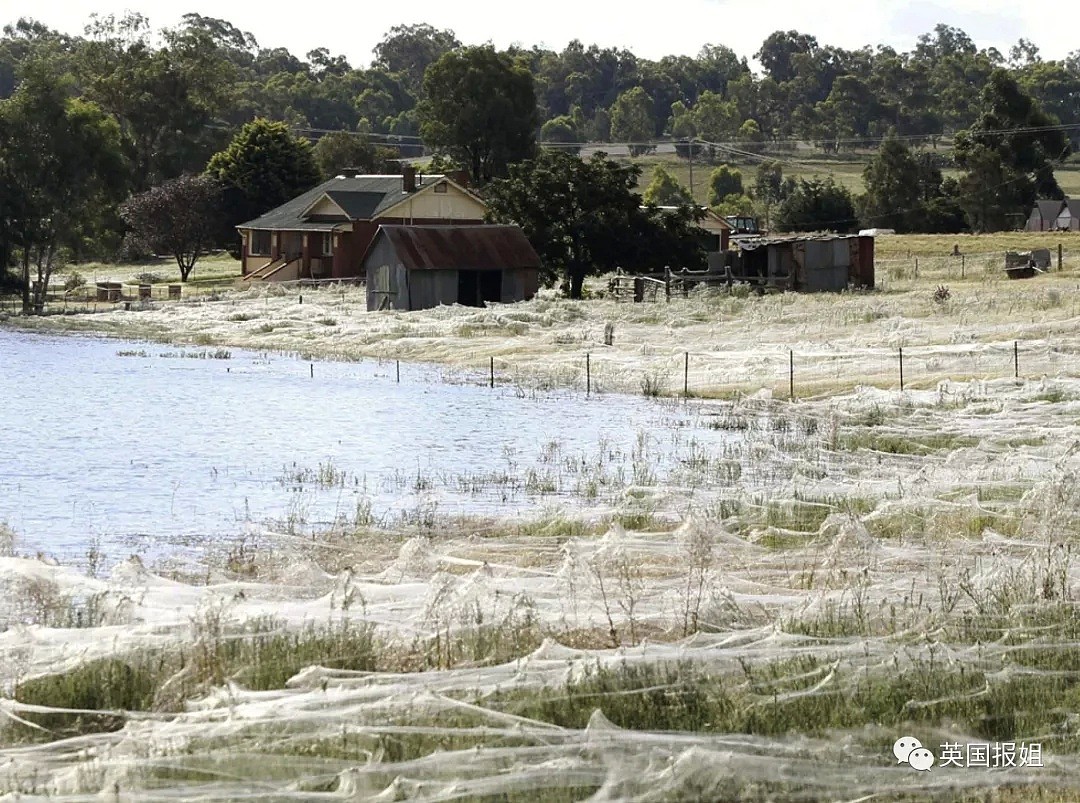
[{"x": 478, "y": 286}]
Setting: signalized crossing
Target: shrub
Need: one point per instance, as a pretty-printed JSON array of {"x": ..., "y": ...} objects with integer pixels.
[{"x": 75, "y": 280}]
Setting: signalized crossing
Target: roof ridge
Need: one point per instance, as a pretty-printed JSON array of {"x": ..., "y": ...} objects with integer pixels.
[{"x": 366, "y": 196}]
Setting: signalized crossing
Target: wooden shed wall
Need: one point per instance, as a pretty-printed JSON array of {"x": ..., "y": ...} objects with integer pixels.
[
  {"x": 385, "y": 277},
  {"x": 391, "y": 286},
  {"x": 519, "y": 284},
  {"x": 430, "y": 288}
]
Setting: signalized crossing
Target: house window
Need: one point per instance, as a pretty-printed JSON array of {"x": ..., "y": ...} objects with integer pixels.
[
  {"x": 260, "y": 243},
  {"x": 441, "y": 187},
  {"x": 327, "y": 244}
]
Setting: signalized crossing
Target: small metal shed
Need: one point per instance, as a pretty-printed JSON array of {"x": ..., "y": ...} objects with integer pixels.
[
  {"x": 419, "y": 267},
  {"x": 811, "y": 263}
]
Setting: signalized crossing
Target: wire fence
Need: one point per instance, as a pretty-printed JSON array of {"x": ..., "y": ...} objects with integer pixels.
[
  {"x": 784, "y": 374},
  {"x": 893, "y": 270},
  {"x": 793, "y": 373}
]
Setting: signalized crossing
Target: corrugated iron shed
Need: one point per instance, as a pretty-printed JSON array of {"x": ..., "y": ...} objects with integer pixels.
[
  {"x": 487, "y": 247},
  {"x": 811, "y": 262}
]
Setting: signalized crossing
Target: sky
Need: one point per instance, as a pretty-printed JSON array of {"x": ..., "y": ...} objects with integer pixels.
[{"x": 649, "y": 30}]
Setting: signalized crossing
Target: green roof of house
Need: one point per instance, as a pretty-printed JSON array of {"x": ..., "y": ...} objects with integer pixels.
[{"x": 361, "y": 198}]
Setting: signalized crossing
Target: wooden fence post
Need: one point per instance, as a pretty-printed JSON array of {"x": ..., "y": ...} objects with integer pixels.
[
  {"x": 901, "y": 368},
  {"x": 492, "y": 382},
  {"x": 398, "y": 370},
  {"x": 791, "y": 375},
  {"x": 588, "y": 375},
  {"x": 1016, "y": 360},
  {"x": 686, "y": 376}
]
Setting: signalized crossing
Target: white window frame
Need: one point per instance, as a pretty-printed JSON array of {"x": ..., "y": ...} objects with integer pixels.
[{"x": 327, "y": 247}]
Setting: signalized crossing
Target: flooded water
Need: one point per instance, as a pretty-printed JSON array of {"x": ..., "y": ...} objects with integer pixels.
[{"x": 136, "y": 445}]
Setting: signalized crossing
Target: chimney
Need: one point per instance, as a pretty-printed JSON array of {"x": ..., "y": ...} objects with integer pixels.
[
  {"x": 349, "y": 172},
  {"x": 408, "y": 178},
  {"x": 460, "y": 177}
]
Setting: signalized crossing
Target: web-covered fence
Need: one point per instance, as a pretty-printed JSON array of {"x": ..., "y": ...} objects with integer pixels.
[
  {"x": 805, "y": 372},
  {"x": 114, "y": 296},
  {"x": 893, "y": 271}
]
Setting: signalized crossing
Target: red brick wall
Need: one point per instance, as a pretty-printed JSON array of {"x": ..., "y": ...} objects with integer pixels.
[{"x": 350, "y": 249}]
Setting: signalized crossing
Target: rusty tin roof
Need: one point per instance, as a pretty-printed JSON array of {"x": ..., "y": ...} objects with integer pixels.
[{"x": 466, "y": 247}]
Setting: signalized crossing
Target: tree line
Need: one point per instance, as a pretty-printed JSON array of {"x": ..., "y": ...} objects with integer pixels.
[
  {"x": 177, "y": 92},
  {"x": 1003, "y": 161},
  {"x": 107, "y": 137}
]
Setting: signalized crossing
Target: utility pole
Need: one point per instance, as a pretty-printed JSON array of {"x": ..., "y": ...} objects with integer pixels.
[{"x": 690, "y": 155}]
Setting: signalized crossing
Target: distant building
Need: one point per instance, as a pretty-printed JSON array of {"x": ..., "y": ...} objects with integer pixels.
[
  {"x": 419, "y": 267},
  {"x": 717, "y": 229},
  {"x": 325, "y": 232},
  {"x": 1054, "y": 216}
]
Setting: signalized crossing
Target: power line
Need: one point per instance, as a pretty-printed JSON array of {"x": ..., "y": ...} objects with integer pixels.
[
  {"x": 798, "y": 141},
  {"x": 388, "y": 138},
  {"x": 730, "y": 145}
]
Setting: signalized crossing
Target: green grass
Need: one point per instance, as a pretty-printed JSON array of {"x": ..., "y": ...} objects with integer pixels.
[
  {"x": 262, "y": 655},
  {"x": 906, "y": 246},
  {"x": 213, "y": 269},
  {"x": 895, "y": 443},
  {"x": 818, "y": 694},
  {"x": 1032, "y": 440},
  {"x": 644, "y": 521},
  {"x": 555, "y": 527},
  {"x": 1068, "y": 177},
  {"x": 685, "y": 697},
  {"x": 989, "y": 492},
  {"x": 805, "y": 514},
  {"x": 846, "y": 171}
]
